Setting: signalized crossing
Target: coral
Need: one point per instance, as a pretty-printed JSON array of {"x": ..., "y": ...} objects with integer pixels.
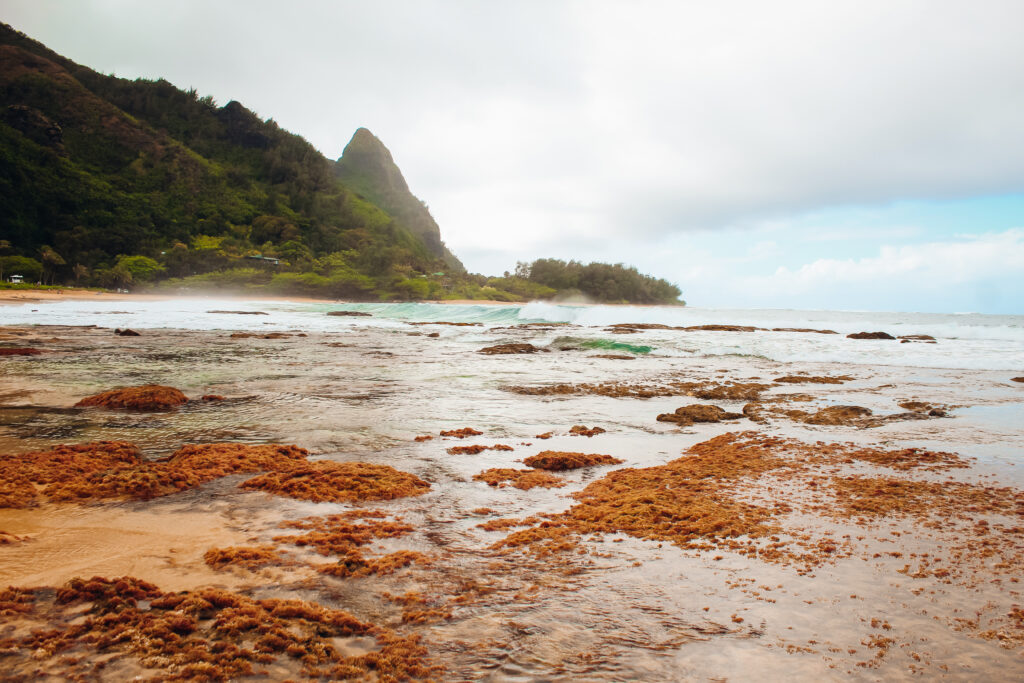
[
  {"x": 557, "y": 461},
  {"x": 687, "y": 415},
  {"x": 338, "y": 482},
  {"x": 521, "y": 479},
  {"x": 146, "y": 398}
]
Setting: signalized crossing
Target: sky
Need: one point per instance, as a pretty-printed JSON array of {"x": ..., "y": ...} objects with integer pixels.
[{"x": 849, "y": 155}]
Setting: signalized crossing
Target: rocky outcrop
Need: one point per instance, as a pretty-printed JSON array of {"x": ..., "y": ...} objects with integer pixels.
[
  {"x": 870, "y": 335},
  {"x": 687, "y": 415},
  {"x": 504, "y": 349},
  {"x": 145, "y": 398},
  {"x": 367, "y": 167}
]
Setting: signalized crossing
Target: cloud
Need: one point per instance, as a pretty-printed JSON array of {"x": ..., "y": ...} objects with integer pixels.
[
  {"x": 975, "y": 272},
  {"x": 573, "y": 128}
]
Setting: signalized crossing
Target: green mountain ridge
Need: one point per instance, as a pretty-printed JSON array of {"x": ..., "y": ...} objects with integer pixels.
[{"x": 115, "y": 182}]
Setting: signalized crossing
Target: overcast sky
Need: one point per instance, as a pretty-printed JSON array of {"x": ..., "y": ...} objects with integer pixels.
[{"x": 847, "y": 155}]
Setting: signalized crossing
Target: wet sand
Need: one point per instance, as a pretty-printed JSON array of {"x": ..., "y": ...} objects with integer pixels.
[{"x": 780, "y": 551}]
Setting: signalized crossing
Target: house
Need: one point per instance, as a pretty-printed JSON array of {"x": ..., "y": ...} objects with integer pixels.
[
  {"x": 16, "y": 279},
  {"x": 265, "y": 259}
]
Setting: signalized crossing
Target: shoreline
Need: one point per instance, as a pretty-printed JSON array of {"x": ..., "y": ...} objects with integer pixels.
[{"x": 20, "y": 296}]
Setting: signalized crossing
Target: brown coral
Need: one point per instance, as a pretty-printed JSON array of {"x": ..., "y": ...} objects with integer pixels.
[{"x": 146, "y": 398}]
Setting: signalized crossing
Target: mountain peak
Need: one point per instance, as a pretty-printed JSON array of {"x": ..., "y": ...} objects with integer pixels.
[{"x": 368, "y": 168}]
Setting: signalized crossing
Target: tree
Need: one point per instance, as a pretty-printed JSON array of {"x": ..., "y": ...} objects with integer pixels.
[
  {"x": 29, "y": 268},
  {"x": 142, "y": 268},
  {"x": 80, "y": 271},
  {"x": 51, "y": 259}
]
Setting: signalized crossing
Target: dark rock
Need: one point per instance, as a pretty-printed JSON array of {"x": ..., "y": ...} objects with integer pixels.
[
  {"x": 126, "y": 332},
  {"x": 870, "y": 335},
  {"x": 509, "y": 349},
  {"x": 353, "y": 314},
  {"x": 241, "y": 312},
  {"x": 697, "y": 412}
]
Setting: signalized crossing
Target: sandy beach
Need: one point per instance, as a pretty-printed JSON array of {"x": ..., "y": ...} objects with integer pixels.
[
  {"x": 502, "y": 501},
  {"x": 20, "y": 296}
]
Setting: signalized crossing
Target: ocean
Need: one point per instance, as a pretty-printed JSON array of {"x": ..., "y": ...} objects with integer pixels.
[{"x": 964, "y": 340}]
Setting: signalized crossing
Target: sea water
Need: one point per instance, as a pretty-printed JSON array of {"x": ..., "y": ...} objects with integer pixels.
[{"x": 964, "y": 340}]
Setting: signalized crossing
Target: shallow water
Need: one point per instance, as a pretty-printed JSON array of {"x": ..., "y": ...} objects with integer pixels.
[{"x": 361, "y": 389}]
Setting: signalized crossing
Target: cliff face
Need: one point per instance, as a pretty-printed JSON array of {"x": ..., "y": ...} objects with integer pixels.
[{"x": 366, "y": 167}]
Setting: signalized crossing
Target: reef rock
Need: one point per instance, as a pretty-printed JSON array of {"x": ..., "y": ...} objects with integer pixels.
[
  {"x": 19, "y": 352},
  {"x": 508, "y": 349},
  {"x": 870, "y": 335},
  {"x": 351, "y": 314},
  {"x": 126, "y": 332},
  {"x": 146, "y": 398},
  {"x": 687, "y": 415}
]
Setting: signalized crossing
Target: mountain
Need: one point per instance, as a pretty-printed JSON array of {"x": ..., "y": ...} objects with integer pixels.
[
  {"x": 367, "y": 167},
  {"x": 95, "y": 168}
]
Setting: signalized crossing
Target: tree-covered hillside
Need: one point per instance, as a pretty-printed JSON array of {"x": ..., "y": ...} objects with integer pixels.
[{"x": 114, "y": 182}]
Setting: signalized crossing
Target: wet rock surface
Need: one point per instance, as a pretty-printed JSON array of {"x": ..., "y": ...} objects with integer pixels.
[
  {"x": 146, "y": 398},
  {"x": 870, "y": 335},
  {"x": 688, "y": 415},
  {"x": 503, "y": 349}
]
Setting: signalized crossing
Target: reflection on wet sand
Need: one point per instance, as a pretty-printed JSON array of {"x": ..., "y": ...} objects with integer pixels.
[{"x": 332, "y": 517}]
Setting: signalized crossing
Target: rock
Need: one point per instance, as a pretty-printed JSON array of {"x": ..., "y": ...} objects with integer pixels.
[
  {"x": 352, "y": 314},
  {"x": 918, "y": 337},
  {"x": 1017, "y": 379},
  {"x": 870, "y": 335},
  {"x": 808, "y": 379},
  {"x": 802, "y": 329},
  {"x": 687, "y": 415},
  {"x": 434, "y": 335},
  {"x": 609, "y": 356},
  {"x": 126, "y": 332},
  {"x": 839, "y": 415},
  {"x": 269, "y": 335},
  {"x": 146, "y": 398},
  {"x": 559, "y": 461},
  {"x": 583, "y": 430},
  {"x": 240, "y": 312},
  {"x": 19, "y": 352},
  {"x": 501, "y": 349},
  {"x": 212, "y": 397},
  {"x": 721, "y": 328}
]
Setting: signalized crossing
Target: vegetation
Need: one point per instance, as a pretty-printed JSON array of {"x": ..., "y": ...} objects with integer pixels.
[
  {"x": 135, "y": 183},
  {"x": 602, "y": 282}
]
